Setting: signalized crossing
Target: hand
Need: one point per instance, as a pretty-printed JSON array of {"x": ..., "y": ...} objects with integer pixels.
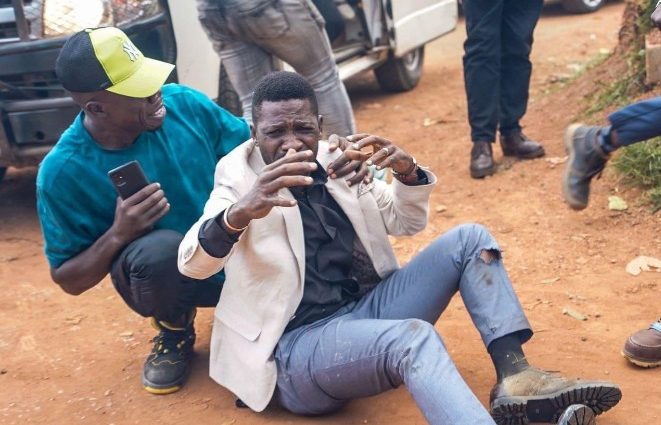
[
  {"x": 656, "y": 16},
  {"x": 384, "y": 154},
  {"x": 138, "y": 214},
  {"x": 363, "y": 173},
  {"x": 290, "y": 171}
]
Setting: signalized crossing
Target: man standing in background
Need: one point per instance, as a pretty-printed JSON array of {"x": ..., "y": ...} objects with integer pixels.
[
  {"x": 247, "y": 34},
  {"x": 497, "y": 75}
]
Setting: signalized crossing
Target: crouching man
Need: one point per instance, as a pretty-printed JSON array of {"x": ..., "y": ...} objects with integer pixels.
[{"x": 315, "y": 310}]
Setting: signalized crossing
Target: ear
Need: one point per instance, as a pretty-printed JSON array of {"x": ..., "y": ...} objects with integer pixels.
[
  {"x": 320, "y": 121},
  {"x": 94, "y": 108},
  {"x": 253, "y": 132}
]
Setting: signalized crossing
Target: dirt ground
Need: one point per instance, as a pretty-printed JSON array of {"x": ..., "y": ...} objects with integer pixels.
[{"x": 77, "y": 360}]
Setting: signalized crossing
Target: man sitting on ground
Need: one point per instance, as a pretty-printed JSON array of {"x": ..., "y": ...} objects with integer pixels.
[{"x": 315, "y": 307}]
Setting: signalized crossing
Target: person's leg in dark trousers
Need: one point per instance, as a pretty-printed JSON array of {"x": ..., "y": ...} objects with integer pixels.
[
  {"x": 146, "y": 276},
  {"x": 482, "y": 79},
  {"x": 518, "y": 24}
]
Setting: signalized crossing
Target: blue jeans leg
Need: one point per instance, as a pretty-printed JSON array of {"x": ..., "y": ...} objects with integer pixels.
[
  {"x": 388, "y": 338},
  {"x": 637, "y": 122}
]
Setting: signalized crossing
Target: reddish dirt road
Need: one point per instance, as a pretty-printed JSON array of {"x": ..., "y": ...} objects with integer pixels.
[{"x": 77, "y": 360}]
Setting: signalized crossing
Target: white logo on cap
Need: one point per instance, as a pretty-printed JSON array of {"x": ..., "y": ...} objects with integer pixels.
[{"x": 131, "y": 50}]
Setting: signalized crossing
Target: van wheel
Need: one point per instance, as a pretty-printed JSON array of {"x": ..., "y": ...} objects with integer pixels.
[
  {"x": 582, "y": 6},
  {"x": 228, "y": 98},
  {"x": 401, "y": 74},
  {"x": 3, "y": 170}
]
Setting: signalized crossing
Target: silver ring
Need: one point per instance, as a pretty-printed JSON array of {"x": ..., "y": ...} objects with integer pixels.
[{"x": 387, "y": 149}]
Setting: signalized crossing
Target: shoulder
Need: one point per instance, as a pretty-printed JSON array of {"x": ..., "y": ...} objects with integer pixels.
[
  {"x": 177, "y": 94},
  {"x": 54, "y": 162}
]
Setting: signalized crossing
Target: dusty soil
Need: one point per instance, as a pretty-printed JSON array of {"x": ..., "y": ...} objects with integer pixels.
[{"x": 77, "y": 360}]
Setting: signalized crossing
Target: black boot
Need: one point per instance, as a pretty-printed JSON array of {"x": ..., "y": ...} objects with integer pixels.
[
  {"x": 519, "y": 145},
  {"x": 586, "y": 160},
  {"x": 482, "y": 164},
  {"x": 168, "y": 364}
]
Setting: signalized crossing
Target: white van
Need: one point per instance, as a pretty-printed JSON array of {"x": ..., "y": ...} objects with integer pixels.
[{"x": 387, "y": 36}]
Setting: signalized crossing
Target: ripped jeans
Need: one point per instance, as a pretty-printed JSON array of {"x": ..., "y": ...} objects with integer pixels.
[{"x": 388, "y": 338}]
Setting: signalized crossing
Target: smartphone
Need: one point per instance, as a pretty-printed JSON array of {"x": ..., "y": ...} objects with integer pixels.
[{"x": 128, "y": 179}]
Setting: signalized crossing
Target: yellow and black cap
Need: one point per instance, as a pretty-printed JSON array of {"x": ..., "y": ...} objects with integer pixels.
[{"x": 105, "y": 59}]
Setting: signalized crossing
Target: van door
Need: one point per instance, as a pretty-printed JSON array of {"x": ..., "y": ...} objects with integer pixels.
[{"x": 417, "y": 22}]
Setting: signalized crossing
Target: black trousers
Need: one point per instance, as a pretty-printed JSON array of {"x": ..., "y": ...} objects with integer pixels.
[
  {"x": 496, "y": 63},
  {"x": 146, "y": 276}
]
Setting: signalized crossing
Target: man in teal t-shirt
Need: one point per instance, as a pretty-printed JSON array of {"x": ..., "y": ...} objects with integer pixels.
[{"x": 177, "y": 135}]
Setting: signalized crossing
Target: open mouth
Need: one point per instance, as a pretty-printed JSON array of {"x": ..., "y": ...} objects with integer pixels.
[{"x": 158, "y": 113}]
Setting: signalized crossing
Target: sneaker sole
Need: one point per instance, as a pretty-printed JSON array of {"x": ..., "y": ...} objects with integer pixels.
[
  {"x": 648, "y": 364},
  {"x": 170, "y": 388},
  {"x": 578, "y": 415},
  {"x": 548, "y": 408},
  {"x": 161, "y": 391},
  {"x": 569, "y": 148}
]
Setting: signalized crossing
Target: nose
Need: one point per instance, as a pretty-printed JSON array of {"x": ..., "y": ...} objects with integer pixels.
[{"x": 292, "y": 142}]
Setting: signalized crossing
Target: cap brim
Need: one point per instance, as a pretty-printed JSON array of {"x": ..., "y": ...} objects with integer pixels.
[{"x": 146, "y": 81}]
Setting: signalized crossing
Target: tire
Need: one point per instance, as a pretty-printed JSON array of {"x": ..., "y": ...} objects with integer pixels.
[
  {"x": 3, "y": 170},
  {"x": 227, "y": 96},
  {"x": 401, "y": 74},
  {"x": 582, "y": 6}
]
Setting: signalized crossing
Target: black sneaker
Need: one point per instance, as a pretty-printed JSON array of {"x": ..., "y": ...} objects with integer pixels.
[
  {"x": 586, "y": 160},
  {"x": 167, "y": 366}
]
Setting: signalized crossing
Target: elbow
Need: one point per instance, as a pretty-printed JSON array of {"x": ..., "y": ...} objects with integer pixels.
[
  {"x": 71, "y": 290},
  {"x": 69, "y": 286}
]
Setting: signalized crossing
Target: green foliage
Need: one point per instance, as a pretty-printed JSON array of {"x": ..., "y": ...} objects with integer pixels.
[{"x": 640, "y": 164}]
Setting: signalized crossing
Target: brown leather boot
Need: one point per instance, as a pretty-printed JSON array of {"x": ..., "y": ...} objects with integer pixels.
[
  {"x": 644, "y": 347},
  {"x": 519, "y": 145},
  {"x": 482, "y": 164},
  {"x": 535, "y": 395}
]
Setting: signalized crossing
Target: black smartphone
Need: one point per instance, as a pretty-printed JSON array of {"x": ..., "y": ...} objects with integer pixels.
[{"x": 128, "y": 179}]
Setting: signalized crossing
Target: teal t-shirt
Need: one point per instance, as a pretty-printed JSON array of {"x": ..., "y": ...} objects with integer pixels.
[{"x": 76, "y": 200}]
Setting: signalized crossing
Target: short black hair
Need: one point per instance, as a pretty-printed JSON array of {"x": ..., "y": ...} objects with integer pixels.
[{"x": 282, "y": 85}]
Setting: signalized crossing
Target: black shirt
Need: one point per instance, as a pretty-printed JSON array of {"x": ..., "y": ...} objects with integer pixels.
[{"x": 329, "y": 238}]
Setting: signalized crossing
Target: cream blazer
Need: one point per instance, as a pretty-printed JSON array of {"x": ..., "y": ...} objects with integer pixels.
[{"x": 265, "y": 270}]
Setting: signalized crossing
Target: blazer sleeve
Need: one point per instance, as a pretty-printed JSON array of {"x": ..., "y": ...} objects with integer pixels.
[
  {"x": 404, "y": 209},
  {"x": 193, "y": 261}
]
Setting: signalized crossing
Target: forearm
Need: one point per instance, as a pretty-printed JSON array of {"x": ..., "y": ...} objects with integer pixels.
[{"x": 87, "y": 269}]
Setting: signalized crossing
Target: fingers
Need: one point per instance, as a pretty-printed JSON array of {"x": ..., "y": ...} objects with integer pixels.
[
  {"x": 334, "y": 142},
  {"x": 286, "y": 181},
  {"x": 346, "y": 169},
  {"x": 369, "y": 140},
  {"x": 295, "y": 169},
  {"x": 279, "y": 201},
  {"x": 142, "y": 194},
  {"x": 380, "y": 155},
  {"x": 291, "y": 157},
  {"x": 149, "y": 203},
  {"x": 157, "y": 212},
  {"x": 362, "y": 174}
]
